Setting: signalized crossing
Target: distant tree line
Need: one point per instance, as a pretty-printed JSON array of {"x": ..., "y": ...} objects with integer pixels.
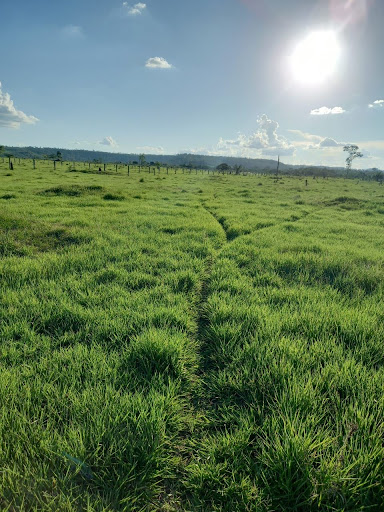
[
  {"x": 181, "y": 160},
  {"x": 232, "y": 165}
]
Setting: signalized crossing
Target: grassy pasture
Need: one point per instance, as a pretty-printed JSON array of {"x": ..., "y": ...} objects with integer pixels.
[{"x": 189, "y": 342}]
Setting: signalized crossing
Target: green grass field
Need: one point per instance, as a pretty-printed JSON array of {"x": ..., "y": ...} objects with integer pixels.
[{"x": 190, "y": 342}]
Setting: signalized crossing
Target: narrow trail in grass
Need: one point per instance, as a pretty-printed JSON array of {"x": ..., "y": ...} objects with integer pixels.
[
  {"x": 186, "y": 449},
  {"x": 231, "y": 235},
  {"x": 200, "y": 404},
  {"x": 218, "y": 220},
  {"x": 203, "y": 403},
  {"x": 199, "y": 397},
  {"x": 202, "y": 320}
]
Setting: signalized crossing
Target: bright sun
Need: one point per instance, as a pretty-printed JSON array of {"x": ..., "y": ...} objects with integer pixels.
[{"x": 316, "y": 57}]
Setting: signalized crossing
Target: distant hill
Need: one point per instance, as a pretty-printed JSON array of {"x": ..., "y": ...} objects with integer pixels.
[{"x": 200, "y": 161}]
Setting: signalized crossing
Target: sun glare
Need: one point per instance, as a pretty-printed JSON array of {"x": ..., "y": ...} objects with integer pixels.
[{"x": 316, "y": 57}]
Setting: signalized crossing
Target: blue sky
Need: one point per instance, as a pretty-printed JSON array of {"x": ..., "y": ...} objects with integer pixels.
[{"x": 203, "y": 76}]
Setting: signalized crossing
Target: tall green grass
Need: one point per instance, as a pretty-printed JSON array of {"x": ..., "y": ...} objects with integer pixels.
[{"x": 189, "y": 342}]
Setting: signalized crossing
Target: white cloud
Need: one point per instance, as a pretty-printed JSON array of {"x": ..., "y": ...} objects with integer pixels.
[
  {"x": 10, "y": 117},
  {"x": 325, "y": 111},
  {"x": 330, "y": 143},
  {"x": 309, "y": 141},
  {"x": 157, "y": 62},
  {"x": 265, "y": 141},
  {"x": 84, "y": 143},
  {"x": 134, "y": 10},
  {"x": 108, "y": 141},
  {"x": 72, "y": 31},
  {"x": 152, "y": 150},
  {"x": 304, "y": 138},
  {"x": 377, "y": 104}
]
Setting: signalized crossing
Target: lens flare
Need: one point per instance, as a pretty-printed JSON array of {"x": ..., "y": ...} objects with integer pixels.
[{"x": 348, "y": 12}]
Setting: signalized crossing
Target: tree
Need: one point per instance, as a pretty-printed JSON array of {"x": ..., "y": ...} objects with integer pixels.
[
  {"x": 142, "y": 160},
  {"x": 2, "y": 148},
  {"x": 223, "y": 167},
  {"x": 237, "y": 169},
  {"x": 378, "y": 175},
  {"x": 353, "y": 152}
]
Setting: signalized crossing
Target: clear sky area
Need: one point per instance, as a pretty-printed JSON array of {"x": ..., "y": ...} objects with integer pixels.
[{"x": 254, "y": 78}]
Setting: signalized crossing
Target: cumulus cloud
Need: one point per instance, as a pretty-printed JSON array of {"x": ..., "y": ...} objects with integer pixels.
[
  {"x": 326, "y": 111},
  {"x": 72, "y": 31},
  {"x": 134, "y": 10},
  {"x": 10, "y": 117},
  {"x": 330, "y": 143},
  {"x": 309, "y": 141},
  {"x": 377, "y": 104},
  {"x": 265, "y": 140},
  {"x": 157, "y": 63},
  {"x": 152, "y": 150},
  {"x": 108, "y": 141},
  {"x": 303, "y": 138}
]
